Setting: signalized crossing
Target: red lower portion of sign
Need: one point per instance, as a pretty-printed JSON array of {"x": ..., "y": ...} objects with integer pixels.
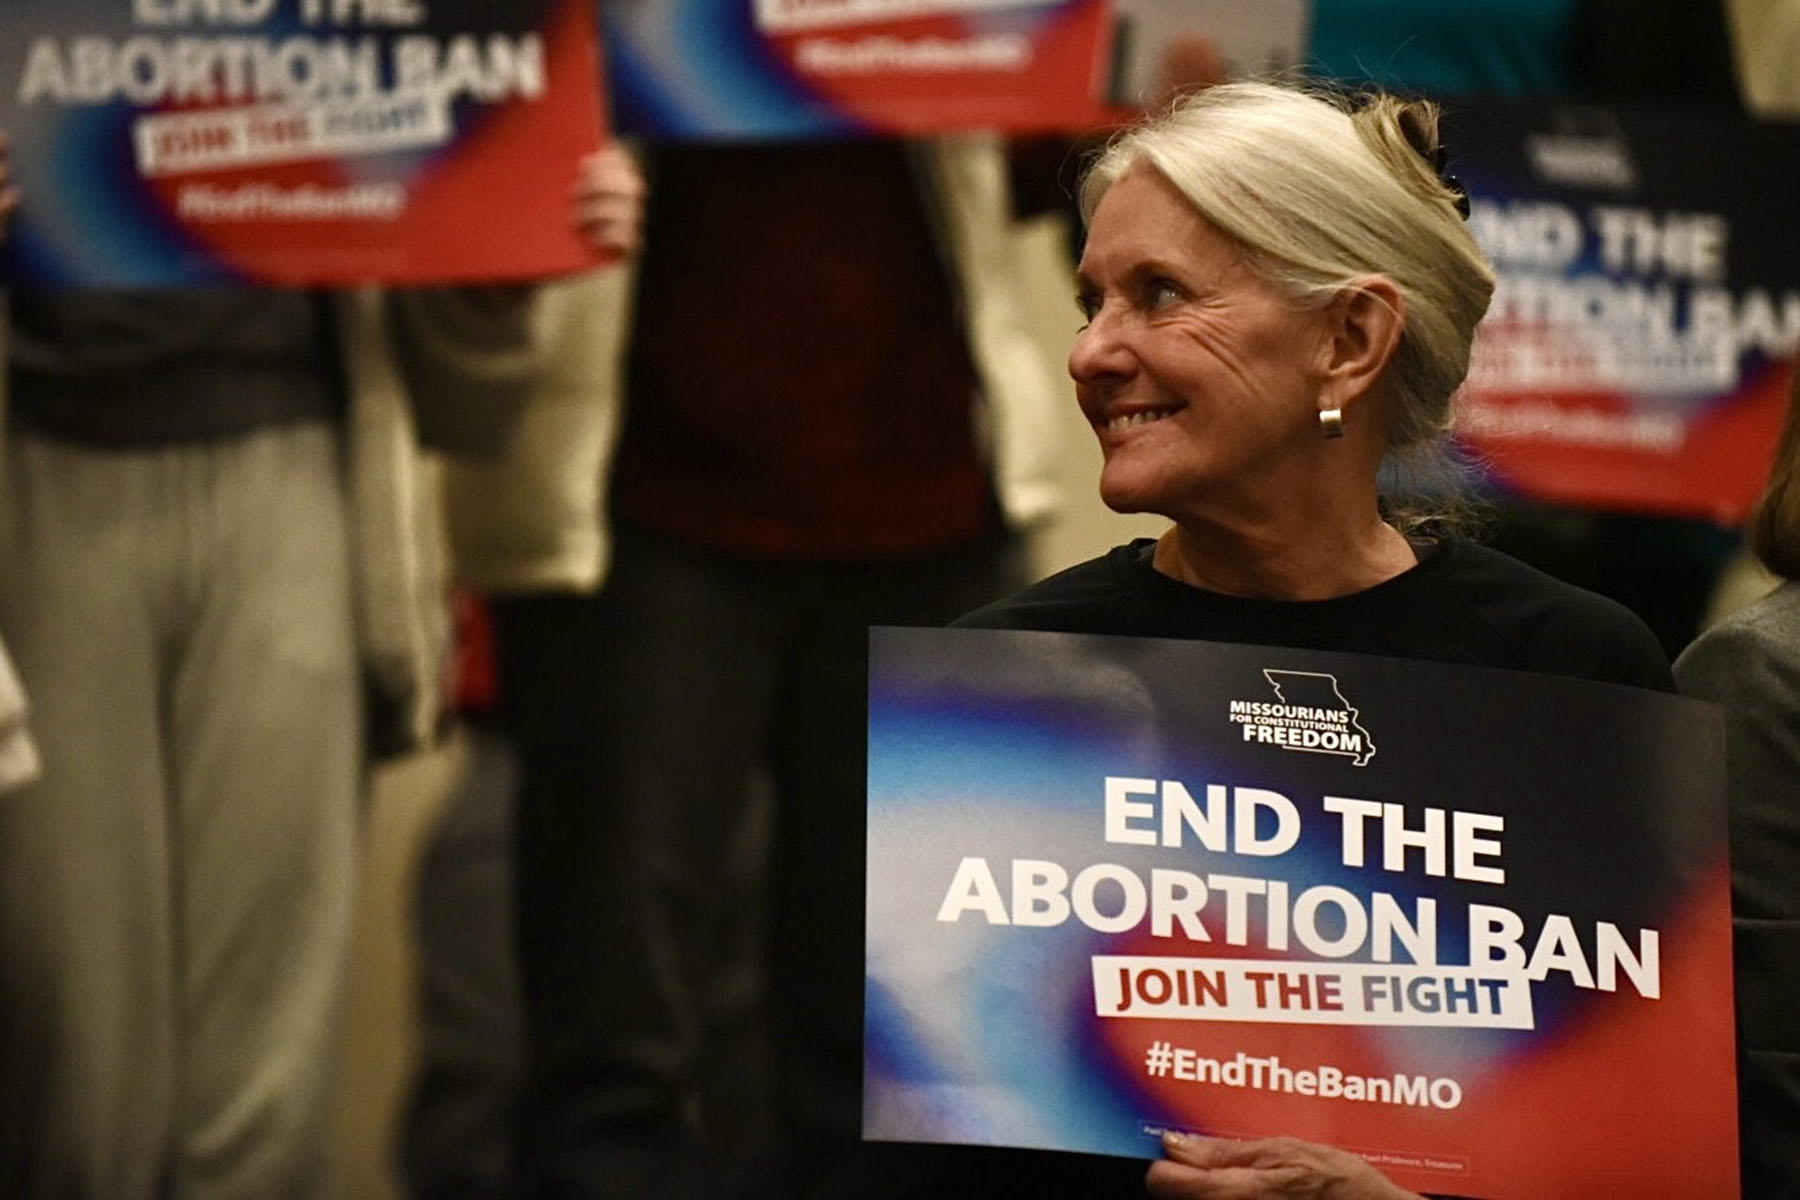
[
  {"x": 1600, "y": 450},
  {"x": 493, "y": 203},
  {"x": 1623, "y": 1095},
  {"x": 1038, "y": 71}
]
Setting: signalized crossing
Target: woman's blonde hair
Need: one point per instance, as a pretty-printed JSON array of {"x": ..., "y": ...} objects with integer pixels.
[{"x": 1318, "y": 189}]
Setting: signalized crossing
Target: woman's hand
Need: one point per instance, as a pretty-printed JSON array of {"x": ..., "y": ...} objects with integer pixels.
[
  {"x": 9, "y": 192},
  {"x": 609, "y": 201},
  {"x": 1203, "y": 1168}
]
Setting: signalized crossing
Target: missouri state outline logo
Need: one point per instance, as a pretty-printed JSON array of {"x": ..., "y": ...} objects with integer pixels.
[{"x": 1309, "y": 714}]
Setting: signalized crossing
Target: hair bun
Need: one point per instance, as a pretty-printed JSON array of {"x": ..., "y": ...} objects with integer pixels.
[{"x": 1418, "y": 121}]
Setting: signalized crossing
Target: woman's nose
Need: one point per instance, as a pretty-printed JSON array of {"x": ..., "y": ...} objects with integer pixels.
[{"x": 1099, "y": 351}]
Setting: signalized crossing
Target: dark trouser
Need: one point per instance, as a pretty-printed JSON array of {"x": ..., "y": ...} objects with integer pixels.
[
  {"x": 645, "y": 718},
  {"x": 458, "y": 1133}
]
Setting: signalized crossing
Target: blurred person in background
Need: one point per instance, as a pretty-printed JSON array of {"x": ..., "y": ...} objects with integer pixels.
[
  {"x": 1750, "y": 663},
  {"x": 18, "y": 753},
  {"x": 527, "y": 521},
  {"x": 218, "y": 578},
  {"x": 869, "y": 449},
  {"x": 456, "y": 1137},
  {"x": 837, "y": 417}
]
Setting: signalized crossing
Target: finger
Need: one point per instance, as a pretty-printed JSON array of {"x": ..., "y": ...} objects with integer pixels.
[
  {"x": 608, "y": 171},
  {"x": 622, "y": 237},
  {"x": 609, "y": 211},
  {"x": 1261, "y": 1153},
  {"x": 608, "y": 208},
  {"x": 1171, "y": 1181},
  {"x": 613, "y": 181},
  {"x": 1196, "y": 1151},
  {"x": 620, "y": 242},
  {"x": 611, "y": 152}
]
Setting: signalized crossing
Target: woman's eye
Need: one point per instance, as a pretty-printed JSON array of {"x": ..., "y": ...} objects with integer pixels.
[{"x": 1160, "y": 293}]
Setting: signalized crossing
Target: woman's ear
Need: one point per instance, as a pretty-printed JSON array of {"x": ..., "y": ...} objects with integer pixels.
[{"x": 1366, "y": 320}]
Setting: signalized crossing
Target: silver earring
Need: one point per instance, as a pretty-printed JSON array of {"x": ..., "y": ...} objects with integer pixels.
[{"x": 1331, "y": 422}]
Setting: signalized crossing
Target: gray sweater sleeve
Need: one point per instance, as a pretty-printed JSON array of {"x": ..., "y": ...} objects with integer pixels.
[{"x": 1750, "y": 664}]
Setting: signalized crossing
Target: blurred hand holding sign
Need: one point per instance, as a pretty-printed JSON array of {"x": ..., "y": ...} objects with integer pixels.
[
  {"x": 168, "y": 142},
  {"x": 800, "y": 68}
]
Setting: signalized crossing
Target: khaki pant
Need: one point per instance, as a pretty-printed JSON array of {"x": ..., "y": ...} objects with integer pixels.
[{"x": 175, "y": 892}]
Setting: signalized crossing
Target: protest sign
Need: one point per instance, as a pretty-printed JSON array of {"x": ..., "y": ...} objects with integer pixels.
[
  {"x": 1471, "y": 924},
  {"x": 165, "y": 142},
  {"x": 1639, "y": 348},
  {"x": 811, "y": 68}
]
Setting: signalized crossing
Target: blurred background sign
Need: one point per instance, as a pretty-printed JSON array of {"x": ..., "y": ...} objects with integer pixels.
[
  {"x": 1641, "y": 340},
  {"x": 809, "y": 68},
  {"x": 162, "y": 142}
]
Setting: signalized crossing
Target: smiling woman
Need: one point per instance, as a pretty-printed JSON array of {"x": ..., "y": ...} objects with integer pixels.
[
  {"x": 1268, "y": 273},
  {"x": 1200, "y": 379},
  {"x": 1280, "y": 295}
]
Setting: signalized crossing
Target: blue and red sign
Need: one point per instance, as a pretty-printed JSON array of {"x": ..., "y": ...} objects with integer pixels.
[
  {"x": 1124, "y": 885},
  {"x": 806, "y": 68},
  {"x": 1641, "y": 343},
  {"x": 163, "y": 142},
  {"x": 811, "y": 68}
]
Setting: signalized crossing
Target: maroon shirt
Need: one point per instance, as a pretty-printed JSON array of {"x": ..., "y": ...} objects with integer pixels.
[{"x": 799, "y": 384}]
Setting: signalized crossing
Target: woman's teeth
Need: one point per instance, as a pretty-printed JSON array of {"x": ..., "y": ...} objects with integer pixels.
[{"x": 1129, "y": 420}]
